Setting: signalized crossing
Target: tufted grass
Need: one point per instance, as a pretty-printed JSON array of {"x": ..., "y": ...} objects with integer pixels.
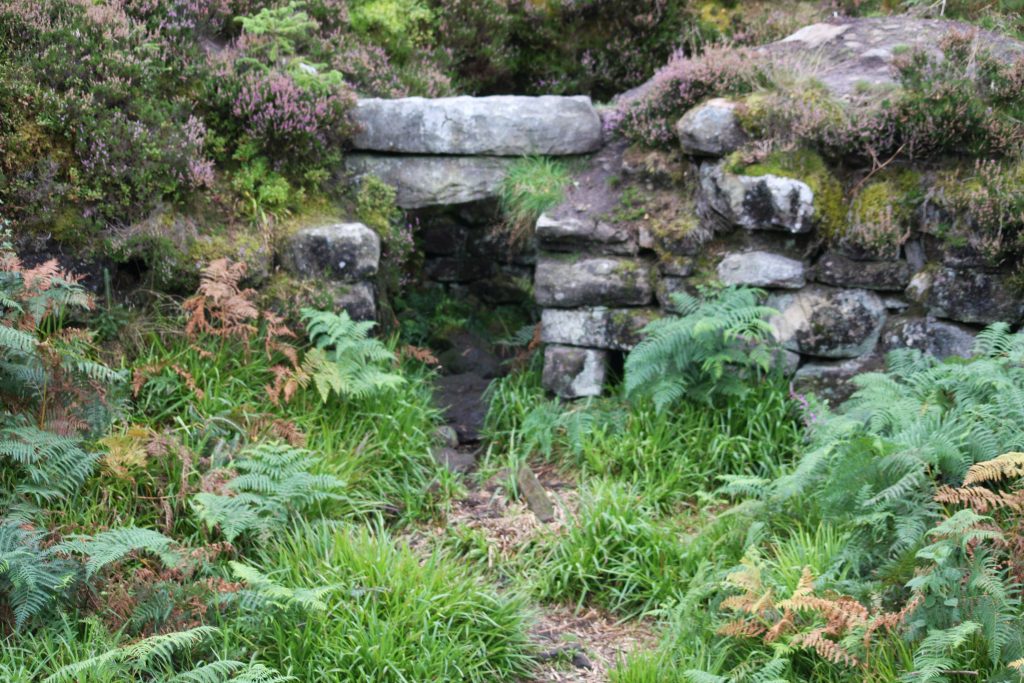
[
  {"x": 394, "y": 615},
  {"x": 532, "y": 186}
]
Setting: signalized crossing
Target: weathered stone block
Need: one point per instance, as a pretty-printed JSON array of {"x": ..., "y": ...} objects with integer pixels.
[
  {"x": 433, "y": 181},
  {"x": 972, "y": 296},
  {"x": 601, "y": 328},
  {"x": 711, "y": 129},
  {"x": 592, "y": 281},
  {"x": 336, "y": 251},
  {"x": 827, "y": 322},
  {"x": 571, "y": 372},
  {"x": 836, "y": 269},
  {"x": 563, "y": 231},
  {"x": 358, "y": 299},
  {"x": 765, "y": 202},
  {"x": 937, "y": 337},
  {"x": 762, "y": 269},
  {"x": 502, "y": 125},
  {"x": 830, "y": 380}
]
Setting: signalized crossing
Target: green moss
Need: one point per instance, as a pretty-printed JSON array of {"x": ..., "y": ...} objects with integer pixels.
[{"x": 830, "y": 204}]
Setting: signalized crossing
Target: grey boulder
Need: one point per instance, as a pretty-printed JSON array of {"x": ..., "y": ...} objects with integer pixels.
[
  {"x": 592, "y": 281},
  {"x": 761, "y": 269},
  {"x": 765, "y": 202},
  {"x": 827, "y": 322},
  {"x": 711, "y": 129},
  {"x": 420, "y": 182},
  {"x": 357, "y": 300},
  {"x": 344, "y": 252},
  {"x": 972, "y": 296},
  {"x": 501, "y": 125}
]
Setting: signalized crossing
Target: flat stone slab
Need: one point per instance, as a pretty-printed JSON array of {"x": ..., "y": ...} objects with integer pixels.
[
  {"x": 501, "y": 125},
  {"x": 420, "y": 182},
  {"x": 616, "y": 329},
  {"x": 592, "y": 281},
  {"x": 761, "y": 269}
]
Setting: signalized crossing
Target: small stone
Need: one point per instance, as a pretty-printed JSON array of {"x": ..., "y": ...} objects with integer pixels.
[
  {"x": 345, "y": 252},
  {"x": 447, "y": 436},
  {"x": 827, "y": 322},
  {"x": 711, "y": 129},
  {"x": 919, "y": 286},
  {"x": 358, "y": 300},
  {"x": 593, "y": 281},
  {"x": 571, "y": 372},
  {"x": 459, "y": 462},
  {"x": 761, "y": 269},
  {"x": 536, "y": 498}
]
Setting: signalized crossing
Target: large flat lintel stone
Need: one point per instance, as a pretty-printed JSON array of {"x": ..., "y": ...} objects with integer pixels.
[{"x": 501, "y": 125}]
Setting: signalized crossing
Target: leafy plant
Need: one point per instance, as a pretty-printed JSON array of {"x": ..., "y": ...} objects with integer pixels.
[
  {"x": 31, "y": 576},
  {"x": 345, "y": 360},
  {"x": 272, "y": 484},
  {"x": 705, "y": 352}
]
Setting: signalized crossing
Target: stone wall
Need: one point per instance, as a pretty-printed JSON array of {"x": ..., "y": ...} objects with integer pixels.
[{"x": 637, "y": 226}]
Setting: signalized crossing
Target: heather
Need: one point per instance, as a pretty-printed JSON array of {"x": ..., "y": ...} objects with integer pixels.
[{"x": 627, "y": 419}]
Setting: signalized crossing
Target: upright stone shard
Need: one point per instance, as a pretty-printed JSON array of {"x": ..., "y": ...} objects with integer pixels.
[
  {"x": 421, "y": 182},
  {"x": 571, "y": 372},
  {"x": 502, "y": 125}
]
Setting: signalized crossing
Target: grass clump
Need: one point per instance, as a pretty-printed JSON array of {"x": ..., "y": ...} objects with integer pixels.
[
  {"x": 532, "y": 186},
  {"x": 392, "y": 614},
  {"x": 615, "y": 554}
]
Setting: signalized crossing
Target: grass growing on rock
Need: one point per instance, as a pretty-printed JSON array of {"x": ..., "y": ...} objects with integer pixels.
[{"x": 531, "y": 186}]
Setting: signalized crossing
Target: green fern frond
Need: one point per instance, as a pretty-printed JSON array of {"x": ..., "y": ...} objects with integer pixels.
[{"x": 108, "y": 547}]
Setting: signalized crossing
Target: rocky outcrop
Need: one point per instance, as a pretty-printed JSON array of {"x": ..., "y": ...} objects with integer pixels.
[
  {"x": 838, "y": 270},
  {"x": 501, "y": 125},
  {"x": 765, "y": 202},
  {"x": 433, "y": 181}
]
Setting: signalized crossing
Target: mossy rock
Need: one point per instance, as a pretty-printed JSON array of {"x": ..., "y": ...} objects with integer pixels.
[{"x": 807, "y": 166}]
